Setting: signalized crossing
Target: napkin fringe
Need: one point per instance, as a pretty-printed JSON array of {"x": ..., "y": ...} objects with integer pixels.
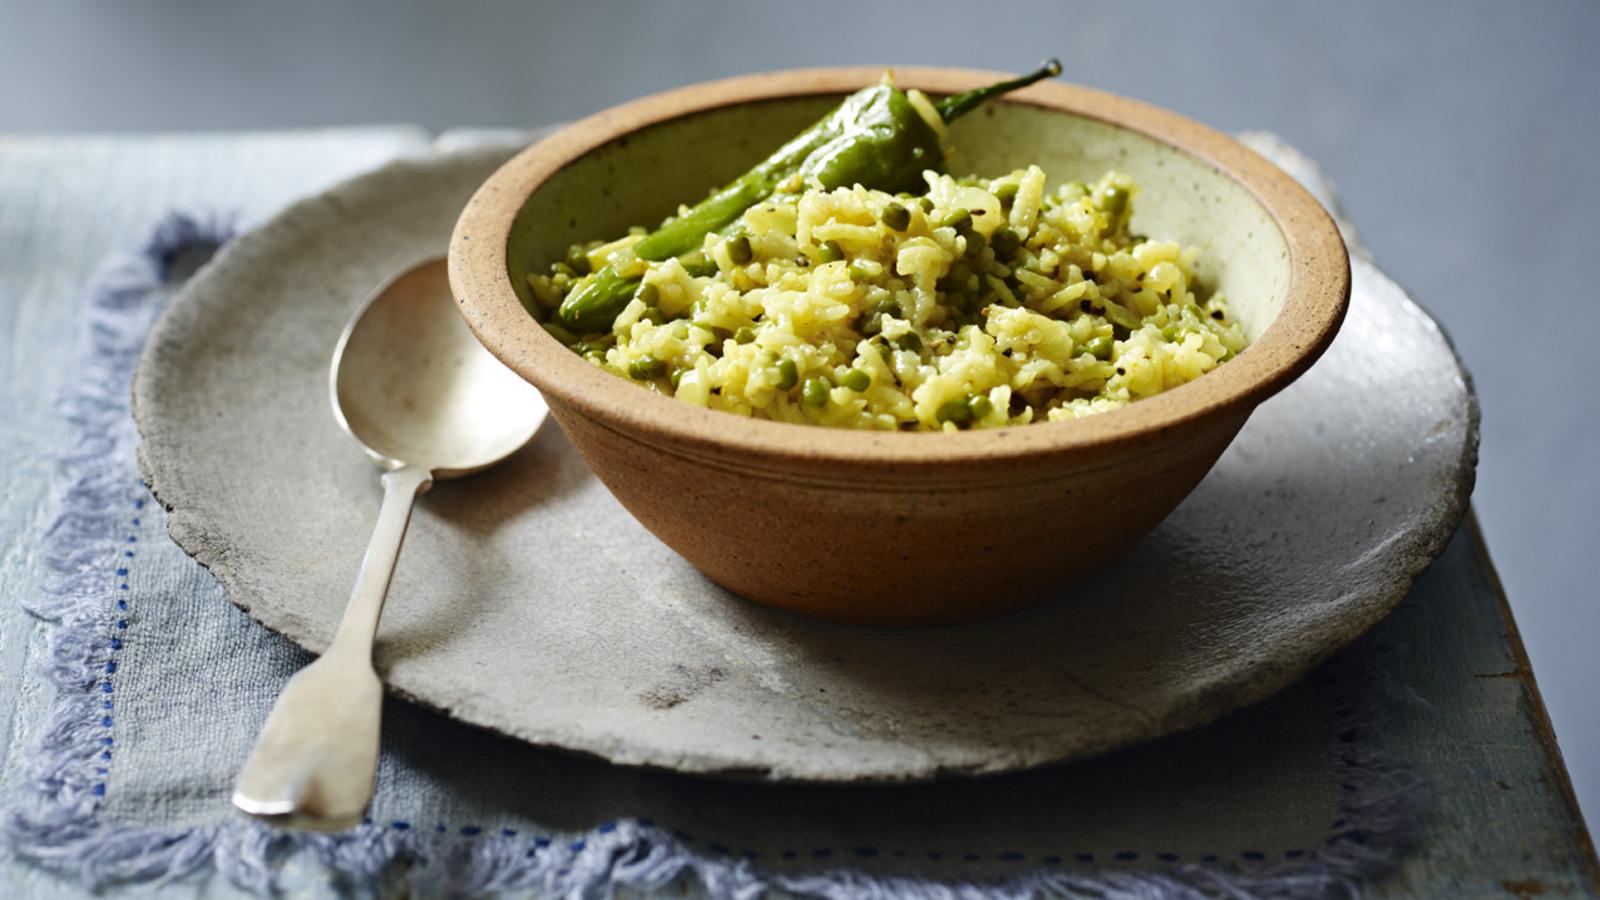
[
  {"x": 1381, "y": 797},
  {"x": 80, "y": 551}
]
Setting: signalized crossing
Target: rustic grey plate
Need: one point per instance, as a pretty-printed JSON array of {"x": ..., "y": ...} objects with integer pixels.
[{"x": 529, "y": 602}]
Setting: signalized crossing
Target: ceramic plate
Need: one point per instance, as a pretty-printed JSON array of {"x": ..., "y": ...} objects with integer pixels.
[{"x": 529, "y": 602}]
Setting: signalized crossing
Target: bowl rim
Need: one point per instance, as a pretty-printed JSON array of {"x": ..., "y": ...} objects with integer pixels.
[{"x": 1315, "y": 305}]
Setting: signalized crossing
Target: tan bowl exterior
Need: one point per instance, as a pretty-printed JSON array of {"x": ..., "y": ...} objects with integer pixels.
[{"x": 897, "y": 528}]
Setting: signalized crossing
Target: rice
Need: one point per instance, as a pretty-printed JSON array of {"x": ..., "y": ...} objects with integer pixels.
[{"x": 982, "y": 304}]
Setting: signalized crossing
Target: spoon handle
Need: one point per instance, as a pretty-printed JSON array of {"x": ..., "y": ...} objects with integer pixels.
[
  {"x": 401, "y": 488},
  {"x": 315, "y": 760}
]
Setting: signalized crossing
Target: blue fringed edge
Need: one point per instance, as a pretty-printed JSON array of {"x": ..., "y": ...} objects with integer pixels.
[
  {"x": 80, "y": 552},
  {"x": 1381, "y": 797}
]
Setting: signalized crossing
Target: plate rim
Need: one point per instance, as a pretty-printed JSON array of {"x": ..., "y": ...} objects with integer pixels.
[{"x": 1196, "y": 710}]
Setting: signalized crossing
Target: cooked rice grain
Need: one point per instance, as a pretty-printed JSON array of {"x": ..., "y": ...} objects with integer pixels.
[{"x": 1000, "y": 303}]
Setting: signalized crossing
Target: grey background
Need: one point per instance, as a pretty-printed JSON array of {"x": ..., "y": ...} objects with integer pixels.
[{"x": 1462, "y": 135}]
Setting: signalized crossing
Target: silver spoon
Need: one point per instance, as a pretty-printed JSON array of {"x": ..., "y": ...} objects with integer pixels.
[{"x": 425, "y": 401}]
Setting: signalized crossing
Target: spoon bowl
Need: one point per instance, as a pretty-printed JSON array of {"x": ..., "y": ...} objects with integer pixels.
[
  {"x": 413, "y": 386},
  {"x": 419, "y": 394}
]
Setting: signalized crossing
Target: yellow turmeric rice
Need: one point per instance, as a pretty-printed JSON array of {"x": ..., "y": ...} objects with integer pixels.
[{"x": 981, "y": 304}]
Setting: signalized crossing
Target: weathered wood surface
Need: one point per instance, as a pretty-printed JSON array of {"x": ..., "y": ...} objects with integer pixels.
[{"x": 1503, "y": 821}]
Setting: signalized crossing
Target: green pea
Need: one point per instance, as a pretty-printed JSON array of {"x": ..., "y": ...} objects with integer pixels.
[
  {"x": 980, "y": 406},
  {"x": 648, "y": 294},
  {"x": 739, "y": 250},
  {"x": 1006, "y": 193},
  {"x": 677, "y": 376},
  {"x": 890, "y": 308},
  {"x": 975, "y": 243},
  {"x": 697, "y": 265},
  {"x": 909, "y": 341},
  {"x": 956, "y": 411},
  {"x": 897, "y": 217},
  {"x": 744, "y": 334},
  {"x": 654, "y": 316},
  {"x": 646, "y": 368},
  {"x": 858, "y": 271},
  {"x": 958, "y": 220},
  {"x": 788, "y": 374},
  {"x": 578, "y": 260},
  {"x": 955, "y": 280},
  {"x": 1005, "y": 242},
  {"x": 1099, "y": 348},
  {"x": 856, "y": 380},
  {"x": 927, "y": 205},
  {"x": 1172, "y": 331},
  {"x": 830, "y": 251},
  {"x": 814, "y": 393},
  {"x": 1114, "y": 200}
]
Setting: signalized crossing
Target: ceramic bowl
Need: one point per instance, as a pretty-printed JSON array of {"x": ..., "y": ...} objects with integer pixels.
[{"x": 904, "y": 527}]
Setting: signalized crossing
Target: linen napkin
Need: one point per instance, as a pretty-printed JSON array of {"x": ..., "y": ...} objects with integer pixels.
[{"x": 163, "y": 685}]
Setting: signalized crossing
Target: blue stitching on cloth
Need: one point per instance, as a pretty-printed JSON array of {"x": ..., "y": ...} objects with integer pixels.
[
  {"x": 113, "y": 644},
  {"x": 1379, "y": 810}
]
